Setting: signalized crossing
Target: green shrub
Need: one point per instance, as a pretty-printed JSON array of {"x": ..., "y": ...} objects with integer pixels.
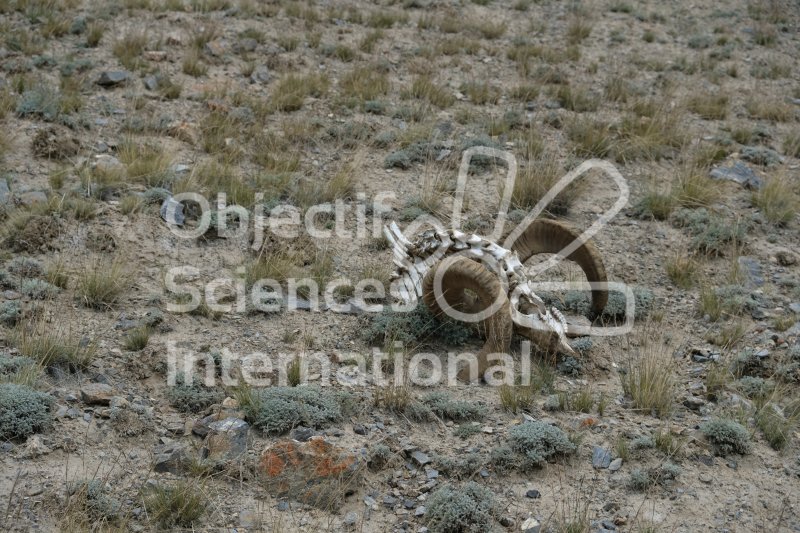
[
  {"x": 710, "y": 233},
  {"x": 461, "y": 466},
  {"x": 12, "y": 365},
  {"x": 26, "y": 267},
  {"x": 539, "y": 442},
  {"x": 192, "y": 398},
  {"x": 416, "y": 326},
  {"x": 38, "y": 289},
  {"x": 445, "y": 407},
  {"x": 10, "y": 312},
  {"x": 466, "y": 509},
  {"x": 754, "y": 387},
  {"x": 726, "y": 436},
  {"x": 23, "y": 411},
  {"x": 276, "y": 410},
  {"x": 776, "y": 429},
  {"x": 95, "y": 500}
]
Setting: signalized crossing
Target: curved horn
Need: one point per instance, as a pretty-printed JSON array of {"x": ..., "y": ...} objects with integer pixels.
[
  {"x": 465, "y": 274},
  {"x": 545, "y": 236}
]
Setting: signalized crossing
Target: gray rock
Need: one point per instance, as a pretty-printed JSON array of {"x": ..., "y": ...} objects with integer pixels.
[
  {"x": 694, "y": 403},
  {"x": 111, "y": 78},
  {"x": 217, "y": 47},
  {"x": 226, "y": 440},
  {"x": 248, "y": 45},
  {"x": 601, "y": 457},
  {"x": 261, "y": 74},
  {"x": 615, "y": 465},
  {"x": 302, "y": 434},
  {"x": 420, "y": 458},
  {"x": 97, "y": 393},
  {"x": 172, "y": 457},
  {"x": 389, "y": 501},
  {"x": 5, "y": 192},
  {"x": 795, "y": 307},
  {"x": 740, "y": 173},
  {"x": 32, "y": 197},
  {"x": 752, "y": 270},
  {"x": 359, "y": 429},
  {"x": 531, "y": 525},
  {"x": 351, "y": 518},
  {"x": 150, "y": 83},
  {"x": 419, "y": 511},
  {"x": 172, "y": 212},
  {"x": 533, "y": 494}
]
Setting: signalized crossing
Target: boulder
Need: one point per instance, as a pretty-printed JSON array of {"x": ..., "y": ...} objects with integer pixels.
[{"x": 315, "y": 472}]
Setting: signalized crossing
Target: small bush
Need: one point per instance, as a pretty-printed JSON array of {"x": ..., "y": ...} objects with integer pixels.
[
  {"x": 466, "y": 509},
  {"x": 101, "y": 284},
  {"x": 23, "y": 411},
  {"x": 137, "y": 339},
  {"x": 444, "y": 406},
  {"x": 175, "y": 506},
  {"x": 414, "y": 327},
  {"x": 711, "y": 234},
  {"x": 726, "y": 436},
  {"x": 538, "y": 442},
  {"x": 276, "y": 410},
  {"x": 10, "y": 313},
  {"x": 516, "y": 397},
  {"x": 25, "y": 267},
  {"x": 38, "y": 289},
  {"x": 93, "y": 499},
  {"x": 777, "y": 200},
  {"x": 192, "y": 398},
  {"x": 776, "y": 429},
  {"x": 648, "y": 380}
]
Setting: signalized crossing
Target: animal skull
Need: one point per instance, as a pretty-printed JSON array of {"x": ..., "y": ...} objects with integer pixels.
[{"x": 440, "y": 266}]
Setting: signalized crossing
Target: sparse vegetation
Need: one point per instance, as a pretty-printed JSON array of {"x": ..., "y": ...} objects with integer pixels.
[
  {"x": 24, "y": 412},
  {"x": 726, "y": 436}
]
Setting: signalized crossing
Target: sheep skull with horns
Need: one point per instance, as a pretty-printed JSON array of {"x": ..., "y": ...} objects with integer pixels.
[{"x": 445, "y": 268}]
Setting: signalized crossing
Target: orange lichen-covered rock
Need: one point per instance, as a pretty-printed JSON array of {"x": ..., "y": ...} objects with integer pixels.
[{"x": 315, "y": 472}]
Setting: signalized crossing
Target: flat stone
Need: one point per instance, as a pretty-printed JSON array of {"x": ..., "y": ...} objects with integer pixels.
[
  {"x": 531, "y": 525},
  {"x": 150, "y": 83},
  {"x": 226, "y": 440},
  {"x": 740, "y": 173},
  {"x": 261, "y": 74},
  {"x": 111, "y": 78},
  {"x": 794, "y": 307},
  {"x": 97, "y": 393},
  {"x": 217, "y": 47},
  {"x": 172, "y": 212},
  {"x": 172, "y": 457},
  {"x": 753, "y": 271},
  {"x": 533, "y": 494},
  {"x": 351, "y": 518},
  {"x": 601, "y": 458},
  {"x": 615, "y": 465},
  {"x": 420, "y": 458}
]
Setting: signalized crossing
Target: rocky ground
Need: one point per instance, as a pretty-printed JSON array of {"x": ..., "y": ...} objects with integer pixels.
[{"x": 108, "y": 109}]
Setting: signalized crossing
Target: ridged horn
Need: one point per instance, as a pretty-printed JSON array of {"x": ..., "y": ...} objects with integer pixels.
[
  {"x": 465, "y": 274},
  {"x": 545, "y": 236}
]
